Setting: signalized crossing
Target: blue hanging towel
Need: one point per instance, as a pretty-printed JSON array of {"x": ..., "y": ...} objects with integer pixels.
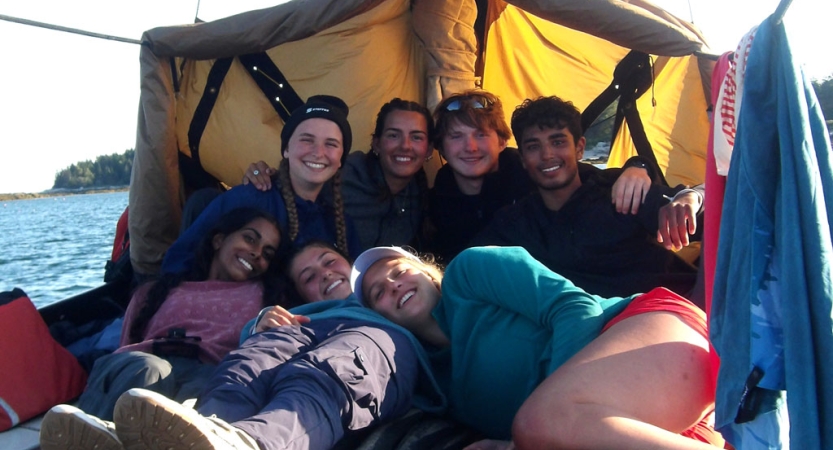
[{"x": 772, "y": 319}]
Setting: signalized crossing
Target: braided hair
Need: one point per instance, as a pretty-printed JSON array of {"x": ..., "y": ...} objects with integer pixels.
[
  {"x": 338, "y": 213},
  {"x": 288, "y": 195}
]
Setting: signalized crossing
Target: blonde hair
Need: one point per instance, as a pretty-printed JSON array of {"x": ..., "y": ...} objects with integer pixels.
[{"x": 431, "y": 267}]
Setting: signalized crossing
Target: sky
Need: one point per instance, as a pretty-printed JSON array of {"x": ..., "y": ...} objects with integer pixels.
[{"x": 66, "y": 98}]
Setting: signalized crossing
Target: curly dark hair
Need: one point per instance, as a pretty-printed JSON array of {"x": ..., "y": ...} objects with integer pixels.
[
  {"x": 546, "y": 112},
  {"x": 203, "y": 256}
]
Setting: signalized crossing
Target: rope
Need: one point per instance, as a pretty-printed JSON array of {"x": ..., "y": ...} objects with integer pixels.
[{"x": 68, "y": 30}]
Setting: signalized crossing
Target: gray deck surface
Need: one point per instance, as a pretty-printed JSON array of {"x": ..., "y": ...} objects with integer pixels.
[{"x": 22, "y": 437}]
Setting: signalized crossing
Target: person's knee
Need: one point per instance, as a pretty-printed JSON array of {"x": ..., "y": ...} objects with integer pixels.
[
  {"x": 120, "y": 367},
  {"x": 147, "y": 365}
]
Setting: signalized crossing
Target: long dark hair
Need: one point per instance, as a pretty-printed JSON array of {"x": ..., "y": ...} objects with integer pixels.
[
  {"x": 334, "y": 109},
  {"x": 203, "y": 256},
  {"x": 398, "y": 104}
]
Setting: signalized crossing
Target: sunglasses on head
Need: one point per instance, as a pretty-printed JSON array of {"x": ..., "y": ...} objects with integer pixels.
[{"x": 475, "y": 101}]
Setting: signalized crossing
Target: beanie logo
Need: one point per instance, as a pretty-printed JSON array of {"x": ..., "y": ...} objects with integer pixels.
[{"x": 309, "y": 110}]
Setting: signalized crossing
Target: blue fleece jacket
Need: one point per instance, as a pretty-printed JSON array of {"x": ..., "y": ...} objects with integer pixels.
[{"x": 316, "y": 221}]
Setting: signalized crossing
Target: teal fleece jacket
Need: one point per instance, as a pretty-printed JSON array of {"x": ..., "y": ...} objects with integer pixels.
[
  {"x": 428, "y": 397},
  {"x": 511, "y": 322}
]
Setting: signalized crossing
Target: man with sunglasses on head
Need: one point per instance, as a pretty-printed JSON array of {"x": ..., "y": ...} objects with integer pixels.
[
  {"x": 483, "y": 175},
  {"x": 570, "y": 225}
]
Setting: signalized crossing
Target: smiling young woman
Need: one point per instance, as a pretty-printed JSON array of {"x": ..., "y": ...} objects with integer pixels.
[
  {"x": 318, "y": 272},
  {"x": 179, "y": 326},
  {"x": 314, "y": 144},
  {"x": 385, "y": 190},
  {"x": 586, "y": 371}
]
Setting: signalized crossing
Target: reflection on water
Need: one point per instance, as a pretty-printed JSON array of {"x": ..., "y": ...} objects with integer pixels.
[{"x": 56, "y": 247}]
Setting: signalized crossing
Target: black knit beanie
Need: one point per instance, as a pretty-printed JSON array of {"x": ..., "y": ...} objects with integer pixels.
[{"x": 322, "y": 107}]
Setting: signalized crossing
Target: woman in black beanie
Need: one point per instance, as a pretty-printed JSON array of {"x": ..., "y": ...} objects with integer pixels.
[
  {"x": 314, "y": 143},
  {"x": 385, "y": 190}
]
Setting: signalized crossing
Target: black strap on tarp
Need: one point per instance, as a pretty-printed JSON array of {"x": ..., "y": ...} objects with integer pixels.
[
  {"x": 271, "y": 82},
  {"x": 632, "y": 77},
  {"x": 209, "y": 97},
  {"x": 192, "y": 171},
  {"x": 175, "y": 75}
]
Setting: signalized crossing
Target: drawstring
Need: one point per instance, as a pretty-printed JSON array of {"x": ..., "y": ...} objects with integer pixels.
[{"x": 653, "y": 97}]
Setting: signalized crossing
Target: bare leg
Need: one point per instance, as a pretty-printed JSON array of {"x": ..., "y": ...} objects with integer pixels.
[{"x": 637, "y": 386}]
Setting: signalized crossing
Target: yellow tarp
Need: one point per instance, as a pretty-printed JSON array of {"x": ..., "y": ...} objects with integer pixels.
[
  {"x": 677, "y": 127},
  {"x": 244, "y": 127},
  {"x": 369, "y": 51},
  {"x": 527, "y": 56}
]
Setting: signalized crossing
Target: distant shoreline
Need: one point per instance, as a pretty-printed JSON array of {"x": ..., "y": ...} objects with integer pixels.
[{"x": 61, "y": 193}]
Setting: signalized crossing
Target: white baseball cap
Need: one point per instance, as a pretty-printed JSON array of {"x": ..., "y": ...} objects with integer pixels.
[{"x": 370, "y": 257}]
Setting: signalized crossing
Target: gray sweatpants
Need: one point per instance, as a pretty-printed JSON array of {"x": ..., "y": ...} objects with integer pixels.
[{"x": 175, "y": 377}]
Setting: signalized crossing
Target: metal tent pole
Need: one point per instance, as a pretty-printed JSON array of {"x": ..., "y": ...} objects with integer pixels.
[{"x": 778, "y": 15}]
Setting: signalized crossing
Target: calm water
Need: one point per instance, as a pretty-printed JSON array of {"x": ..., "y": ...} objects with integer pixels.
[{"x": 56, "y": 247}]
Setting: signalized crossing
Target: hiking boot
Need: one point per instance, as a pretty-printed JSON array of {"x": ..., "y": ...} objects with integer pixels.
[
  {"x": 66, "y": 427},
  {"x": 145, "y": 419}
]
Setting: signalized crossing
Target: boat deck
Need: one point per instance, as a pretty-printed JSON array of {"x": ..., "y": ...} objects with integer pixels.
[{"x": 23, "y": 436}]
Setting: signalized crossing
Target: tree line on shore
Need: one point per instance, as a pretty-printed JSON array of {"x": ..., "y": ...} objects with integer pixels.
[
  {"x": 105, "y": 171},
  {"x": 824, "y": 91}
]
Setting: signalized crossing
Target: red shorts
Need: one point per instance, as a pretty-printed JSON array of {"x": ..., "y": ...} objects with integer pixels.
[{"x": 661, "y": 299}]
